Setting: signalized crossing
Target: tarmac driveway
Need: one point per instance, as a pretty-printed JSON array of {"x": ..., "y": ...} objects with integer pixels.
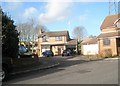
[{"x": 73, "y": 71}]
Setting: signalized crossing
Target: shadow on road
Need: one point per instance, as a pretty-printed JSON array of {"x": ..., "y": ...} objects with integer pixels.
[{"x": 64, "y": 62}]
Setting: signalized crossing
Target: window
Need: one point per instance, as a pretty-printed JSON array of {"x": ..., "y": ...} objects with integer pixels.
[
  {"x": 58, "y": 38},
  {"x": 106, "y": 41},
  {"x": 45, "y": 39},
  {"x": 45, "y": 47}
]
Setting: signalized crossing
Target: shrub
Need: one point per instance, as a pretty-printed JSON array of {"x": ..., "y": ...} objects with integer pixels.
[
  {"x": 106, "y": 53},
  {"x": 10, "y": 35}
]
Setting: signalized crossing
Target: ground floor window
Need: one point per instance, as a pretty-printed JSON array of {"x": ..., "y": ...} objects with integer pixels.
[{"x": 106, "y": 41}]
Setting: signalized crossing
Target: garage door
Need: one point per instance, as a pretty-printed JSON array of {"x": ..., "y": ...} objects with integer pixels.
[{"x": 90, "y": 49}]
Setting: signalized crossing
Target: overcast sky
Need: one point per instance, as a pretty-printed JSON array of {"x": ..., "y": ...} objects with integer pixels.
[{"x": 57, "y": 16}]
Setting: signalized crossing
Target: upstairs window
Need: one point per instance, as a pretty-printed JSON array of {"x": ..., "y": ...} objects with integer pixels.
[
  {"x": 58, "y": 38},
  {"x": 106, "y": 41},
  {"x": 45, "y": 39}
]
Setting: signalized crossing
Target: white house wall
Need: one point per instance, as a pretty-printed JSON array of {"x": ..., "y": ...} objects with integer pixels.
[{"x": 91, "y": 49}]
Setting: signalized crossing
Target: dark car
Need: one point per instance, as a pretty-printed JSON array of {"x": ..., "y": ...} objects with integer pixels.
[
  {"x": 47, "y": 53},
  {"x": 12, "y": 65},
  {"x": 67, "y": 52}
]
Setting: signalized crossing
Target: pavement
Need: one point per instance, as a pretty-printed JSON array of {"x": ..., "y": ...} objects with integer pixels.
[{"x": 44, "y": 63}]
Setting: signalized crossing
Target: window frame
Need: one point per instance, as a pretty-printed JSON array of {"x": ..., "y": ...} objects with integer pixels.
[
  {"x": 58, "y": 38},
  {"x": 106, "y": 41}
]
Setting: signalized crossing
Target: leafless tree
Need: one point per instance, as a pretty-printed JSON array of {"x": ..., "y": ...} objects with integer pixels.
[
  {"x": 79, "y": 33},
  {"x": 29, "y": 31}
]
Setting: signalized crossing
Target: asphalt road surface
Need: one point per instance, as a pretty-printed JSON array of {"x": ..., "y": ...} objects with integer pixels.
[{"x": 72, "y": 71}]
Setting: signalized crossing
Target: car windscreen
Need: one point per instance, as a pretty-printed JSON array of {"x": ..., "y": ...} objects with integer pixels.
[{"x": 22, "y": 49}]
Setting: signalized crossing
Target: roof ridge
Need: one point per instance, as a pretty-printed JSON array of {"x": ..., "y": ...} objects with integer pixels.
[
  {"x": 59, "y": 31},
  {"x": 55, "y": 33}
]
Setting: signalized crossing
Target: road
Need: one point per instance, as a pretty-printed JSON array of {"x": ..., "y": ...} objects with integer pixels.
[{"x": 72, "y": 71}]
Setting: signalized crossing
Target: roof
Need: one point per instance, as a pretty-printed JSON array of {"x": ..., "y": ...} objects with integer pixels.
[
  {"x": 55, "y": 33},
  {"x": 109, "y": 21},
  {"x": 92, "y": 40},
  {"x": 112, "y": 34},
  {"x": 72, "y": 42}
]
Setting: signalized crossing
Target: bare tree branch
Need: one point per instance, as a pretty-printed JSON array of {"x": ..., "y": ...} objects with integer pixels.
[
  {"x": 29, "y": 31},
  {"x": 79, "y": 33}
]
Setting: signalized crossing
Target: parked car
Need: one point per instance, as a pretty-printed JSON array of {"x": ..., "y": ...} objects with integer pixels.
[
  {"x": 23, "y": 52},
  {"x": 11, "y": 65},
  {"x": 22, "y": 49},
  {"x": 67, "y": 52},
  {"x": 48, "y": 53}
]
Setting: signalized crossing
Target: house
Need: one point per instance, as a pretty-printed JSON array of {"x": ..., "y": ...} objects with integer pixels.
[
  {"x": 56, "y": 41},
  {"x": 89, "y": 46},
  {"x": 109, "y": 39}
]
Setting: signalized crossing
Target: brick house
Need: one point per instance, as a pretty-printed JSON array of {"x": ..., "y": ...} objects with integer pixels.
[
  {"x": 56, "y": 41},
  {"x": 109, "y": 39}
]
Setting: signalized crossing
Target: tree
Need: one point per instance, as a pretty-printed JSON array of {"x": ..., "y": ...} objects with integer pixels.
[
  {"x": 79, "y": 33},
  {"x": 29, "y": 32},
  {"x": 10, "y": 38}
]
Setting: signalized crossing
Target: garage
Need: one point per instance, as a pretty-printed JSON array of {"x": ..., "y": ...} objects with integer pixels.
[{"x": 89, "y": 46}]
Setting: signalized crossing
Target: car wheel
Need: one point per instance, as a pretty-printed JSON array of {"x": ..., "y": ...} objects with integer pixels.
[
  {"x": 4, "y": 74},
  {"x": 67, "y": 54}
]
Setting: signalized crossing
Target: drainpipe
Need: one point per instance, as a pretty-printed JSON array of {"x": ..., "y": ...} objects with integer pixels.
[{"x": 99, "y": 45}]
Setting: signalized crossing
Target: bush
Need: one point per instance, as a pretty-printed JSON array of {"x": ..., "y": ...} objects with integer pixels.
[
  {"x": 106, "y": 53},
  {"x": 94, "y": 57}
]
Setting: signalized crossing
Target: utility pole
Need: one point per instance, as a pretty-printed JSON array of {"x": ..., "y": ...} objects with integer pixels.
[
  {"x": 112, "y": 7},
  {"x": 119, "y": 7}
]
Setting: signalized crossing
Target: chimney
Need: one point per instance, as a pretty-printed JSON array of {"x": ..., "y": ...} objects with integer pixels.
[{"x": 40, "y": 31}]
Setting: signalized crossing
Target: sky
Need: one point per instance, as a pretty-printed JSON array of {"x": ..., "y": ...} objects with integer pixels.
[{"x": 58, "y": 16}]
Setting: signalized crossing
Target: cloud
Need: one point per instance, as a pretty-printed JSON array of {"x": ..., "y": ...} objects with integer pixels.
[
  {"x": 30, "y": 12},
  {"x": 58, "y": 0},
  {"x": 55, "y": 11}
]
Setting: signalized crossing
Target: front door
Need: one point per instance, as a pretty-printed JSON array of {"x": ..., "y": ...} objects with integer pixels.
[
  {"x": 118, "y": 46},
  {"x": 59, "y": 51}
]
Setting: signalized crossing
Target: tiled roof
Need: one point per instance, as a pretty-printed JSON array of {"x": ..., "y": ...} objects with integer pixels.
[
  {"x": 109, "y": 21},
  {"x": 55, "y": 33},
  {"x": 72, "y": 42},
  {"x": 112, "y": 34},
  {"x": 92, "y": 40}
]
